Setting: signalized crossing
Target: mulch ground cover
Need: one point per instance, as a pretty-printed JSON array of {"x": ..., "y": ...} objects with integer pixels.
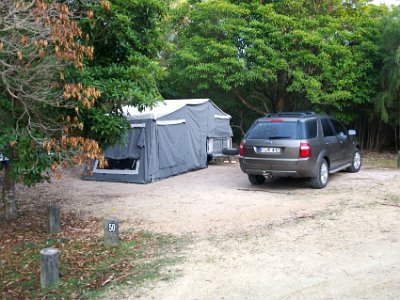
[{"x": 86, "y": 264}]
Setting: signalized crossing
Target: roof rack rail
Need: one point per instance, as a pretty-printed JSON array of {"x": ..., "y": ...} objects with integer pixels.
[{"x": 292, "y": 114}]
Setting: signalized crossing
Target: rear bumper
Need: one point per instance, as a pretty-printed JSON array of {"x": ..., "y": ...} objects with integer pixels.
[{"x": 302, "y": 167}]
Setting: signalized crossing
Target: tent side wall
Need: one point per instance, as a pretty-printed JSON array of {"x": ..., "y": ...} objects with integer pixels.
[
  {"x": 219, "y": 122},
  {"x": 134, "y": 150},
  {"x": 181, "y": 138}
]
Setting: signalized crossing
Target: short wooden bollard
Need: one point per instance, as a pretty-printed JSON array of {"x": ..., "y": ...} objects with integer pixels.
[
  {"x": 53, "y": 219},
  {"x": 48, "y": 267},
  {"x": 111, "y": 231}
]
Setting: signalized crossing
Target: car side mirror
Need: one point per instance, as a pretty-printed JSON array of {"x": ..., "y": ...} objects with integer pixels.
[
  {"x": 341, "y": 136},
  {"x": 352, "y": 132}
]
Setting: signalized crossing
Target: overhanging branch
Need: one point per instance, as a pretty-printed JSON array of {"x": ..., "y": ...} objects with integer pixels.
[{"x": 248, "y": 105}]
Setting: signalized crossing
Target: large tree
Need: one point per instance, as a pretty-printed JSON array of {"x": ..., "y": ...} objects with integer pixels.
[
  {"x": 43, "y": 123},
  {"x": 278, "y": 55},
  {"x": 387, "y": 102}
]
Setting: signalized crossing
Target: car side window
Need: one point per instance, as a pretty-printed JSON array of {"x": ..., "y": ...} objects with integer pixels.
[
  {"x": 311, "y": 129},
  {"x": 339, "y": 128},
  {"x": 326, "y": 128}
]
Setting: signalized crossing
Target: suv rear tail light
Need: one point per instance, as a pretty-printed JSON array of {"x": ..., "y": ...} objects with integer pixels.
[
  {"x": 305, "y": 150},
  {"x": 241, "y": 149}
]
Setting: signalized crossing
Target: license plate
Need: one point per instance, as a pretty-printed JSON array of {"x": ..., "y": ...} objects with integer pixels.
[{"x": 268, "y": 150}]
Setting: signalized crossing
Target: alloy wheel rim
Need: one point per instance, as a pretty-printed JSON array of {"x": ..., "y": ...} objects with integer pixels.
[
  {"x": 324, "y": 173},
  {"x": 357, "y": 160}
]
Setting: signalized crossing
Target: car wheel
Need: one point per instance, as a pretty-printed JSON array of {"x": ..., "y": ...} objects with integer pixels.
[
  {"x": 1, "y": 165},
  {"x": 355, "y": 163},
  {"x": 256, "y": 179},
  {"x": 209, "y": 158},
  {"x": 321, "y": 180}
]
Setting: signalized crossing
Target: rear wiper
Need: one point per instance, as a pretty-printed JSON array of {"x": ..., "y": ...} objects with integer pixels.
[{"x": 279, "y": 137}]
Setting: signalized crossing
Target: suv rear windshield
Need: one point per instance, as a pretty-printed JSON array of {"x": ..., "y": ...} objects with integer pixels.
[{"x": 275, "y": 130}]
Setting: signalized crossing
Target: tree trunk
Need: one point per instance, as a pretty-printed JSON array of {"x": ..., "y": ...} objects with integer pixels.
[
  {"x": 281, "y": 105},
  {"x": 10, "y": 205}
]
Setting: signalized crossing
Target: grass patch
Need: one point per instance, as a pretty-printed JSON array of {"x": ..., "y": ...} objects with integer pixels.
[
  {"x": 87, "y": 266},
  {"x": 380, "y": 160},
  {"x": 392, "y": 198}
]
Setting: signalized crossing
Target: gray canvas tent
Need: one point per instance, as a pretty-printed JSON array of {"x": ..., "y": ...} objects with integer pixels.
[{"x": 172, "y": 138}]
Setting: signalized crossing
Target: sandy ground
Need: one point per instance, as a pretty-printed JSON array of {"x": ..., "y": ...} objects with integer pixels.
[{"x": 282, "y": 240}]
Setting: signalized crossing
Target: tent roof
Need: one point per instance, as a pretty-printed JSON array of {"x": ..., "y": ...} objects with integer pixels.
[{"x": 162, "y": 109}]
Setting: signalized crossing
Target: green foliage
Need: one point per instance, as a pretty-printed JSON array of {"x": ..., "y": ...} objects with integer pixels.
[
  {"x": 388, "y": 99},
  {"x": 109, "y": 129},
  {"x": 282, "y": 55},
  {"x": 32, "y": 161},
  {"x": 127, "y": 40}
]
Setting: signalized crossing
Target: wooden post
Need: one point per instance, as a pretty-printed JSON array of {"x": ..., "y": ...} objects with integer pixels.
[
  {"x": 48, "y": 267},
  {"x": 111, "y": 231},
  {"x": 53, "y": 219},
  {"x": 10, "y": 206}
]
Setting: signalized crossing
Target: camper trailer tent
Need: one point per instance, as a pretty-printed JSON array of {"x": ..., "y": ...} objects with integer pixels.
[{"x": 172, "y": 138}]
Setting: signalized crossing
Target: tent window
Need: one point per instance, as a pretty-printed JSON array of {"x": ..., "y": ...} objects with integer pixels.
[
  {"x": 121, "y": 164},
  {"x": 118, "y": 166}
]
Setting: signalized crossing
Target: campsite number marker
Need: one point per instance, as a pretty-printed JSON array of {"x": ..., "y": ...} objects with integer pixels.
[
  {"x": 111, "y": 227},
  {"x": 111, "y": 231}
]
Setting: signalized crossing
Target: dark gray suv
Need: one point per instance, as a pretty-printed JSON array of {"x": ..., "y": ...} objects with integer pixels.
[{"x": 298, "y": 144}]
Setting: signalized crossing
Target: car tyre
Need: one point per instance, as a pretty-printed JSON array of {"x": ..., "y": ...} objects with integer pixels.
[
  {"x": 321, "y": 180},
  {"x": 355, "y": 162},
  {"x": 230, "y": 151},
  {"x": 256, "y": 179}
]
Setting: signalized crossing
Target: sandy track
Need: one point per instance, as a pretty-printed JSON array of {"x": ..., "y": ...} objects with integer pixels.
[
  {"x": 218, "y": 199},
  {"x": 275, "y": 241}
]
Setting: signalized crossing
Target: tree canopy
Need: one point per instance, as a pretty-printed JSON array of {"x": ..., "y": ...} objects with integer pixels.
[
  {"x": 40, "y": 120},
  {"x": 127, "y": 39},
  {"x": 280, "y": 55},
  {"x": 387, "y": 101}
]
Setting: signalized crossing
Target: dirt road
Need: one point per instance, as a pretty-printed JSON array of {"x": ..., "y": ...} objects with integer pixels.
[{"x": 275, "y": 241}]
